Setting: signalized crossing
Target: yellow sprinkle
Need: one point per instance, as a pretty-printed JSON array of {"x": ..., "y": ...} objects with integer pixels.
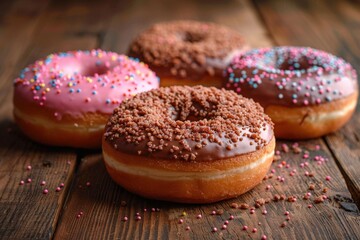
[
  {"x": 47, "y": 89},
  {"x": 70, "y": 84},
  {"x": 184, "y": 214},
  {"x": 113, "y": 58},
  {"x": 89, "y": 80},
  {"x": 41, "y": 62},
  {"x": 42, "y": 85},
  {"x": 32, "y": 80}
]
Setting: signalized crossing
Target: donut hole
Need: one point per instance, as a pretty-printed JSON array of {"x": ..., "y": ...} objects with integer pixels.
[
  {"x": 194, "y": 114},
  {"x": 92, "y": 71},
  {"x": 192, "y": 37}
]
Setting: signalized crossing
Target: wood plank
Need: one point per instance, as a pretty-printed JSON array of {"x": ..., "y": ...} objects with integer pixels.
[
  {"x": 334, "y": 29},
  {"x": 27, "y": 213},
  {"x": 103, "y": 211},
  {"x": 101, "y": 202},
  {"x": 135, "y": 18}
]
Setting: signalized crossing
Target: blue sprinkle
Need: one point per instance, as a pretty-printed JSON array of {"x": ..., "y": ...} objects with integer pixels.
[
  {"x": 78, "y": 90},
  {"x": 107, "y": 101},
  {"x": 94, "y": 92},
  {"x": 294, "y": 96},
  {"x": 71, "y": 90},
  {"x": 112, "y": 86},
  {"x": 328, "y": 98},
  {"x": 37, "y": 87}
]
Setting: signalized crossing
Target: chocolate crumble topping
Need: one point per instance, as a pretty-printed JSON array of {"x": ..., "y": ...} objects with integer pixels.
[
  {"x": 188, "y": 123},
  {"x": 187, "y": 49}
]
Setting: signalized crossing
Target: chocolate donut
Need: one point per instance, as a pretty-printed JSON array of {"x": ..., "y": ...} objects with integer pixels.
[
  {"x": 187, "y": 52},
  {"x": 188, "y": 144},
  {"x": 306, "y": 92}
]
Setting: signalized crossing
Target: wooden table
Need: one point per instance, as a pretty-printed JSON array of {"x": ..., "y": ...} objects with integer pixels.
[{"x": 91, "y": 206}]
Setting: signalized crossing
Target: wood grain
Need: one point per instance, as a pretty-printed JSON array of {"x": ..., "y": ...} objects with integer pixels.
[
  {"x": 101, "y": 202},
  {"x": 31, "y": 31},
  {"x": 103, "y": 211},
  {"x": 336, "y": 29}
]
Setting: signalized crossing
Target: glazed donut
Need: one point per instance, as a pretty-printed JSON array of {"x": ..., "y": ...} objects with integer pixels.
[
  {"x": 187, "y": 52},
  {"x": 306, "y": 92},
  {"x": 188, "y": 144},
  {"x": 67, "y": 98}
]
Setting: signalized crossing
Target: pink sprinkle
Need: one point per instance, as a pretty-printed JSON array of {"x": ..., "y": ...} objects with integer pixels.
[
  {"x": 68, "y": 162},
  {"x": 268, "y": 187},
  {"x": 88, "y": 184},
  {"x": 45, "y": 191},
  {"x": 181, "y": 221},
  {"x": 231, "y": 217},
  {"x": 273, "y": 170},
  {"x": 81, "y": 213},
  {"x": 125, "y": 219},
  {"x": 214, "y": 229},
  {"x": 28, "y": 168},
  {"x": 310, "y": 206},
  {"x": 42, "y": 183},
  {"x": 286, "y": 213},
  {"x": 62, "y": 185},
  {"x": 78, "y": 216},
  {"x": 199, "y": 216},
  {"x": 58, "y": 189},
  {"x": 306, "y": 173},
  {"x": 187, "y": 228},
  {"x": 264, "y": 212},
  {"x": 226, "y": 222},
  {"x": 21, "y": 182},
  {"x": 254, "y": 230},
  {"x": 302, "y": 165},
  {"x": 328, "y": 178},
  {"x": 263, "y": 237},
  {"x": 29, "y": 180},
  {"x": 245, "y": 228},
  {"x": 137, "y": 218},
  {"x": 252, "y": 211},
  {"x": 213, "y": 212},
  {"x": 317, "y": 147},
  {"x": 305, "y": 156},
  {"x": 223, "y": 227},
  {"x": 306, "y": 163}
]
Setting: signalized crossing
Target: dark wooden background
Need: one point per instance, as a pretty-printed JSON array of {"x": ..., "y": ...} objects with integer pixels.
[{"x": 32, "y": 29}]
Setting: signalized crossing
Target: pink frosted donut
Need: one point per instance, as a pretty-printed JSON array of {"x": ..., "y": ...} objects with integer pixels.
[
  {"x": 306, "y": 92},
  {"x": 66, "y": 98}
]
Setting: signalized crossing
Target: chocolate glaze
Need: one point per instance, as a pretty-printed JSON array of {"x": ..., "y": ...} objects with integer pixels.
[
  {"x": 187, "y": 49},
  {"x": 189, "y": 123},
  {"x": 291, "y": 76}
]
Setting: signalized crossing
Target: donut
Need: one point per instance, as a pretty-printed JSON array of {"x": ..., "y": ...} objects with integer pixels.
[
  {"x": 187, "y": 52},
  {"x": 67, "y": 98},
  {"x": 188, "y": 144},
  {"x": 306, "y": 92}
]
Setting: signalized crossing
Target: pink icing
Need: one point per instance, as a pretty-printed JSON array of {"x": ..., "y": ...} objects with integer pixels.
[{"x": 83, "y": 81}]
